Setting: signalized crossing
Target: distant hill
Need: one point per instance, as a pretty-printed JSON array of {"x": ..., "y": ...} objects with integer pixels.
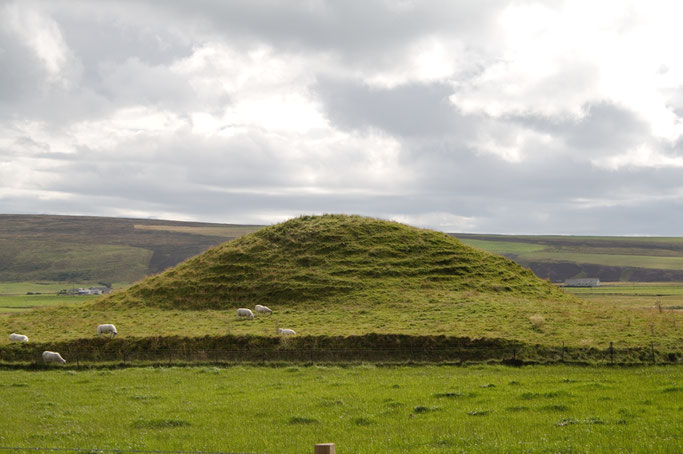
[
  {"x": 85, "y": 249},
  {"x": 319, "y": 258},
  {"x": 612, "y": 259},
  {"x": 100, "y": 249}
]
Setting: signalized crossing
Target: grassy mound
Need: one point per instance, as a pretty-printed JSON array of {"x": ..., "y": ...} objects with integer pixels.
[
  {"x": 346, "y": 276},
  {"x": 322, "y": 259}
]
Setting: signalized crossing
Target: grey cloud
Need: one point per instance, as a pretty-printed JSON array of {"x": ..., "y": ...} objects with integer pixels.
[
  {"x": 125, "y": 49},
  {"x": 410, "y": 110},
  {"x": 359, "y": 27}
]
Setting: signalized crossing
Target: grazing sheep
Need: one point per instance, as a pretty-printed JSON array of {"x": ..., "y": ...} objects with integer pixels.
[
  {"x": 286, "y": 332},
  {"x": 18, "y": 338},
  {"x": 53, "y": 357},
  {"x": 244, "y": 312},
  {"x": 107, "y": 328},
  {"x": 262, "y": 309}
]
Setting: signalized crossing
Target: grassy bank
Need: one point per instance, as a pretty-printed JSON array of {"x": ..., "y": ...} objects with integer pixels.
[
  {"x": 463, "y": 314},
  {"x": 376, "y": 348},
  {"x": 361, "y": 409}
]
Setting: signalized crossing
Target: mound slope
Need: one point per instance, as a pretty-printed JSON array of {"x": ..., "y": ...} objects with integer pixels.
[{"x": 323, "y": 259}]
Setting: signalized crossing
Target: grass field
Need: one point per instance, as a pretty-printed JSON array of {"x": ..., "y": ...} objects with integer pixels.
[
  {"x": 226, "y": 231},
  {"x": 10, "y": 304},
  {"x": 480, "y": 409},
  {"x": 593, "y": 322},
  {"x": 609, "y": 258},
  {"x": 654, "y": 296},
  {"x": 618, "y": 256},
  {"x": 83, "y": 248}
]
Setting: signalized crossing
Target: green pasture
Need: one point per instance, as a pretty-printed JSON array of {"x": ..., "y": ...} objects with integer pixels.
[
  {"x": 476, "y": 409},
  {"x": 225, "y": 231},
  {"x": 9, "y": 304},
  {"x": 631, "y": 288},
  {"x": 503, "y": 247},
  {"x": 653, "y": 296},
  {"x": 578, "y": 322},
  {"x": 632, "y": 252},
  {"x": 34, "y": 260},
  {"x": 620, "y": 260}
]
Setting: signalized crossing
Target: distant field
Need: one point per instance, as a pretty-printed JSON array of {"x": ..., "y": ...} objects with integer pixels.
[
  {"x": 68, "y": 261},
  {"x": 11, "y": 304},
  {"x": 504, "y": 247},
  {"x": 617, "y": 256},
  {"x": 608, "y": 258},
  {"x": 93, "y": 249},
  {"x": 428, "y": 409},
  {"x": 631, "y": 288},
  {"x": 228, "y": 231},
  {"x": 652, "y": 296},
  {"x": 639, "y": 261}
]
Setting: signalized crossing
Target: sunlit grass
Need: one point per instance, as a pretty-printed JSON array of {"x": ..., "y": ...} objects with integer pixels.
[{"x": 362, "y": 409}]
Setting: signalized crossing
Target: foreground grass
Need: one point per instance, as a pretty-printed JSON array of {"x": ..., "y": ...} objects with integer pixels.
[{"x": 361, "y": 408}]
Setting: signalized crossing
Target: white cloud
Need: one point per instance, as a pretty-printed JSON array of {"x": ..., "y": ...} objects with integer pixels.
[
  {"x": 498, "y": 116},
  {"x": 642, "y": 156},
  {"x": 444, "y": 221},
  {"x": 553, "y": 61},
  {"x": 43, "y": 36}
]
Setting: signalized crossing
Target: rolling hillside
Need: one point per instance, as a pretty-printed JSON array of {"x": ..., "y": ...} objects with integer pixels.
[
  {"x": 84, "y": 249},
  {"x": 612, "y": 259},
  {"x": 338, "y": 275}
]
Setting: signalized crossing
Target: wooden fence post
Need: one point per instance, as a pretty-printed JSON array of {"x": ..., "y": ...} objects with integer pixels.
[
  {"x": 562, "y": 351},
  {"x": 611, "y": 353},
  {"x": 325, "y": 448}
]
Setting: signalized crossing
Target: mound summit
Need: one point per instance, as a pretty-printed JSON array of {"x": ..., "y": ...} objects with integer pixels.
[{"x": 332, "y": 258}]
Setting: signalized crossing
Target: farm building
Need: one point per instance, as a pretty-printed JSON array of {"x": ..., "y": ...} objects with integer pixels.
[{"x": 585, "y": 282}]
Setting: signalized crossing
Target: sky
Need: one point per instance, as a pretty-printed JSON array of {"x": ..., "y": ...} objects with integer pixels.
[{"x": 487, "y": 116}]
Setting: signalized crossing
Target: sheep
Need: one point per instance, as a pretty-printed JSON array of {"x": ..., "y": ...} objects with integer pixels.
[
  {"x": 53, "y": 357},
  {"x": 107, "y": 328},
  {"x": 284, "y": 331},
  {"x": 244, "y": 312},
  {"x": 262, "y": 309},
  {"x": 18, "y": 338}
]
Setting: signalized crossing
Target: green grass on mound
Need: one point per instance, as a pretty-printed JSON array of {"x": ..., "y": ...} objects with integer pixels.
[{"x": 333, "y": 258}]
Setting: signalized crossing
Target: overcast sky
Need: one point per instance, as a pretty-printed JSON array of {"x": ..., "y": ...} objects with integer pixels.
[{"x": 491, "y": 116}]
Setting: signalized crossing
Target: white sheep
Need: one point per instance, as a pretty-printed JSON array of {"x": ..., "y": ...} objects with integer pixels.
[
  {"x": 286, "y": 332},
  {"x": 107, "y": 328},
  {"x": 53, "y": 357},
  {"x": 262, "y": 309},
  {"x": 18, "y": 337},
  {"x": 244, "y": 312}
]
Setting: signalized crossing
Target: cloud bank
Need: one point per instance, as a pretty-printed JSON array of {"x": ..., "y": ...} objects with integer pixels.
[{"x": 493, "y": 116}]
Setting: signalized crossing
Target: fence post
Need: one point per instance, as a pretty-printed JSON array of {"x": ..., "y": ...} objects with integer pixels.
[
  {"x": 325, "y": 448},
  {"x": 611, "y": 352},
  {"x": 652, "y": 344},
  {"x": 562, "y": 351}
]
